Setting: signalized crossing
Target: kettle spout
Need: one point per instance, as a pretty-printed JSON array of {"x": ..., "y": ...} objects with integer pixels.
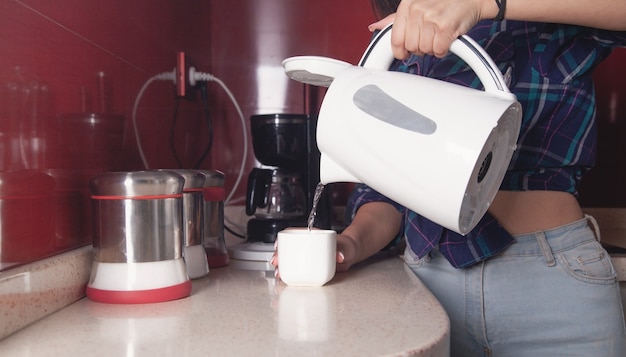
[{"x": 331, "y": 172}]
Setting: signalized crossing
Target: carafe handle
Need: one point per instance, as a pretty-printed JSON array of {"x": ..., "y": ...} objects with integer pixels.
[
  {"x": 259, "y": 182},
  {"x": 378, "y": 55}
]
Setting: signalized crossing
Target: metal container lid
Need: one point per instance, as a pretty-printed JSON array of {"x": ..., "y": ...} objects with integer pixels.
[
  {"x": 137, "y": 183},
  {"x": 193, "y": 178},
  {"x": 213, "y": 178}
]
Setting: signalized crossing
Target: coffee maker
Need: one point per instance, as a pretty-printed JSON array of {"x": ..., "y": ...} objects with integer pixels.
[{"x": 280, "y": 192}]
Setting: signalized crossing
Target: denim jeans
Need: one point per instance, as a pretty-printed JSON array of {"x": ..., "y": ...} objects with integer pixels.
[{"x": 551, "y": 293}]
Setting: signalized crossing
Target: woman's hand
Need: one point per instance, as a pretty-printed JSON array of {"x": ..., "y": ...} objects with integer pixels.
[
  {"x": 346, "y": 254},
  {"x": 430, "y": 26},
  {"x": 373, "y": 227}
]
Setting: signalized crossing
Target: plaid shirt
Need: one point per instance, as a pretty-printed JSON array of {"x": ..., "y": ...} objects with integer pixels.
[{"x": 550, "y": 68}]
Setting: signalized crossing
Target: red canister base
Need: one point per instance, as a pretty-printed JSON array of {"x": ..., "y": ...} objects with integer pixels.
[{"x": 169, "y": 293}]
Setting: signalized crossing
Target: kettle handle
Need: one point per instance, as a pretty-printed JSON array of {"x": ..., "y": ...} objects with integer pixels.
[{"x": 378, "y": 56}]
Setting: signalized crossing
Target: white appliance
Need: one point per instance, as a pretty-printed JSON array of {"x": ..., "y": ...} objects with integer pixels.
[{"x": 438, "y": 148}]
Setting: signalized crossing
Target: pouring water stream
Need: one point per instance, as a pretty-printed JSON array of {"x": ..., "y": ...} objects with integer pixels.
[{"x": 316, "y": 198}]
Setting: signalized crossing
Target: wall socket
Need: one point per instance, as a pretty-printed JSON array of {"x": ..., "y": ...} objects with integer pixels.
[{"x": 182, "y": 73}]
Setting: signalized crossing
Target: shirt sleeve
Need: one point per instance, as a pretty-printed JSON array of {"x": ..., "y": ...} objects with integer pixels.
[
  {"x": 363, "y": 194},
  {"x": 609, "y": 39}
]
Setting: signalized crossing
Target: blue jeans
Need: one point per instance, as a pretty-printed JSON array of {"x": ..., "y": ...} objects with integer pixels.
[{"x": 551, "y": 293}]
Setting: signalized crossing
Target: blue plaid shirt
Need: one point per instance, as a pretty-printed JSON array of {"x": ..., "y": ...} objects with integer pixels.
[{"x": 550, "y": 68}]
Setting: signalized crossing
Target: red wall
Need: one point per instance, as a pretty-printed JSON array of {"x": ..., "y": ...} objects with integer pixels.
[
  {"x": 604, "y": 186},
  {"x": 57, "y": 129}
]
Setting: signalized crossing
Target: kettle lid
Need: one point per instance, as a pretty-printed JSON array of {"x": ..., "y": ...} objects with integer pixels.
[{"x": 314, "y": 70}]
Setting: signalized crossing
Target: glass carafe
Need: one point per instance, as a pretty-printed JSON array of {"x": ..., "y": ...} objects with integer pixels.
[{"x": 275, "y": 194}]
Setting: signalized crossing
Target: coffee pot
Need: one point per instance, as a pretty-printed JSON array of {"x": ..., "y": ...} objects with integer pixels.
[
  {"x": 435, "y": 147},
  {"x": 275, "y": 194},
  {"x": 280, "y": 191}
]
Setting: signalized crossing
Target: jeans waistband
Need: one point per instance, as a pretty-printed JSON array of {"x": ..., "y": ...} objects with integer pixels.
[{"x": 555, "y": 239}]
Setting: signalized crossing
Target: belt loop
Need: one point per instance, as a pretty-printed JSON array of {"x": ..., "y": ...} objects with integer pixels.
[
  {"x": 594, "y": 224},
  {"x": 545, "y": 248}
]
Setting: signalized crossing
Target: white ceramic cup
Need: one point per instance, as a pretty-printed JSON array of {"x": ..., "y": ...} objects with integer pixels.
[{"x": 306, "y": 258}]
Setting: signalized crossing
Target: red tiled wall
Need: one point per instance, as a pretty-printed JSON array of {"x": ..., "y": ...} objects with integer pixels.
[
  {"x": 57, "y": 130},
  {"x": 604, "y": 185}
]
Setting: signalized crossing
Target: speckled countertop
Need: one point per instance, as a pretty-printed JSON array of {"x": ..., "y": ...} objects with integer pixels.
[
  {"x": 33, "y": 291},
  {"x": 378, "y": 308}
]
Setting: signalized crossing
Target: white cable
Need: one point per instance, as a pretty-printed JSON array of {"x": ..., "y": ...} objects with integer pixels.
[
  {"x": 207, "y": 77},
  {"x": 193, "y": 78},
  {"x": 159, "y": 77}
]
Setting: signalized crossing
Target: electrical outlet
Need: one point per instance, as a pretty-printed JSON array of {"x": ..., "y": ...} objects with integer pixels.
[{"x": 181, "y": 74}]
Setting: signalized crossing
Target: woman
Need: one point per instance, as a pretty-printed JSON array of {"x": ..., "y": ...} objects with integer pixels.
[{"x": 531, "y": 279}]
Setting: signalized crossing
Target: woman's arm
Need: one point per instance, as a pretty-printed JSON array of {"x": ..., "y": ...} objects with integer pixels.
[
  {"x": 429, "y": 26},
  {"x": 602, "y": 14},
  {"x": 373, "y": 227}
]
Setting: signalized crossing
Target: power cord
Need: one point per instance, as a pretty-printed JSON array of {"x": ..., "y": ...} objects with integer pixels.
[
  {"x": 172, "y": 133},
  {"x": 207, "y": 115},
  {"x": 194, "y": 78},
  {"x": 165, "y": 76},
  {"x": 236, "y": 234}
]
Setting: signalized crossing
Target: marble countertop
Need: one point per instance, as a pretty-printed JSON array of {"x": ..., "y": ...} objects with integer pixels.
[{"x": 378, "y": 308}]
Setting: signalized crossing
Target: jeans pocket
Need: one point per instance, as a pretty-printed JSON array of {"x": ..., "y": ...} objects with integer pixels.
[
  {"x": 413, "y": 261},
  {"x": 589, "y": 263}
]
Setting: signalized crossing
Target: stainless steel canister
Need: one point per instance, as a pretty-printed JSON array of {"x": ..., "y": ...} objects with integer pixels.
[
  {"x": 193, "y": 249},
  {"x": 192, "y": 205},
  {"x": 138, "y": 216},
  {"x": 214, "y": 196}
]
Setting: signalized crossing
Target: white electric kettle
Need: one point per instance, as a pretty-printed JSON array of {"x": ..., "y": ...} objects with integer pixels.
[{"x": 437, "y": 148}]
